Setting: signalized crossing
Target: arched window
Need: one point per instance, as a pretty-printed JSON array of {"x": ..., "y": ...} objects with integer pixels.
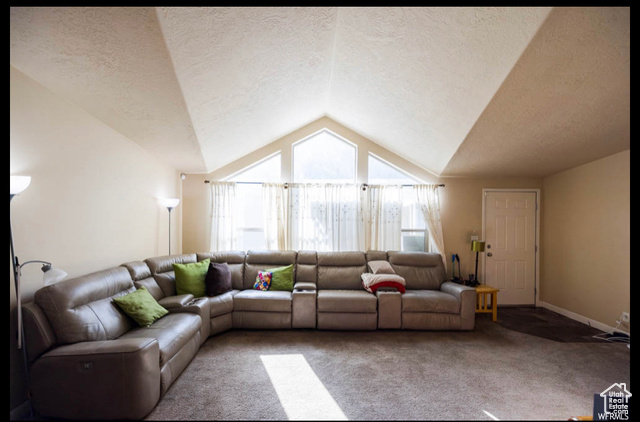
[
  {"x": 323, "y": 208},
  {"x": 384, "y": 173},
  {"x": 324, "y": 157},
  {"x": 265, "y": 170}
]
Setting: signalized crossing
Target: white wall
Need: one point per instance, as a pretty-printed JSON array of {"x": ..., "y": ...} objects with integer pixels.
[
  {"x": 92, "y": 203},
  {"x": 586, "y": 240}
]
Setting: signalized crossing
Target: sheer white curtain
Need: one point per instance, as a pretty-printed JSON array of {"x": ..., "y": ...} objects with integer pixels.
[
  {"x": 384, "y": 217},
  {"x": 326, "y": 217},
  {"x": 223, "y": 211},
  {"x": 429, "y": 202},
  {"x": 275, "y": 203}
]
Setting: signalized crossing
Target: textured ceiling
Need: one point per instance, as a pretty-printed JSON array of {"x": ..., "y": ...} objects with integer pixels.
[
  {"x": 567, "y": 101},
  {"x": 415, "y": 80},
  {"x": 249, "y": 75},
  {"x": 113, "y": 63},
  {"x": 457, "y": 91}
]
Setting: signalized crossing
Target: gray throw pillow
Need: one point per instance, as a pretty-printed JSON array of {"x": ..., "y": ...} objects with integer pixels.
[{"x": 381, "y": 267}]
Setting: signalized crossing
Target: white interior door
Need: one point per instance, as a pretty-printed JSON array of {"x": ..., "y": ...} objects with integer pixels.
[{"x": 510, "y": 246}]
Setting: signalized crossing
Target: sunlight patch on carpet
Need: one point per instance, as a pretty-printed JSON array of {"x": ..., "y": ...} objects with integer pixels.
[
  {"x": 490, "y": 415},
  {"x": 301, "y": 393}
]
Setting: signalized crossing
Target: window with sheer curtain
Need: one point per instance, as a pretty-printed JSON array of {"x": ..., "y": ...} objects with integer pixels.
[
  {"x": 249, "y": 224},
  {"x": 223, "y": 216},
  {"x": 413, "y": 234},
  {"x": 324, "y": 202},
  {"x": 324, "y": 209},
  {"x": 325, "y": 217}
]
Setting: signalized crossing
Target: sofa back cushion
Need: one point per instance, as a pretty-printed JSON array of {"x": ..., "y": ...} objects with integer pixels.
[
  {"x": 82, "y": 308},
  {"x": 341, "y": 270},
  {"x": 235, "y": 260},
  {"x": 161, "y": 268},
  {"x": 141, "y": 276},
  {"x": 307, "y": 267},
  {"x": 376, "y": 256},
  {"x": 262, "y": 260},
  {"x": 421, "y": 270}
]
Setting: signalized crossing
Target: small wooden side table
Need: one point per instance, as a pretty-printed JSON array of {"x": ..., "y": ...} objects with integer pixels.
[{"x": 482, "y": 305}]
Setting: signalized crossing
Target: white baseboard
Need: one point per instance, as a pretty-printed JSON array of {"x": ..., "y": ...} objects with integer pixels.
[{"x": 583, "y": 319}]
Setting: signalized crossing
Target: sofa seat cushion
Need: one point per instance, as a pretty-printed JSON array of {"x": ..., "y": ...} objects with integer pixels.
[
  {"x": 262, "y": 301},
  {"x": 172, "y": 332},
  {"x": 222, "y": 304},
  {"x": 355, "y": 301},
  {"x": 429, "y": 301}
]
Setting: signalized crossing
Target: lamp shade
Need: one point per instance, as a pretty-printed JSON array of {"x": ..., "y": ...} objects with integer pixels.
[
  {"x": 169, "y": 202},
  {"x": 18, "y": 184},
  {"x": 52, "y": 275},
  {"x": 477, "y": 246}
]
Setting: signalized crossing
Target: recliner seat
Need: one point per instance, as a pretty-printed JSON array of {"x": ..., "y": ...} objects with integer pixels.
[{"x": 342, "y": 302}]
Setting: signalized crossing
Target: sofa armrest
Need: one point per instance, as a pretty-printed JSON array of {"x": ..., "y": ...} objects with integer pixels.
[
  {"x": 303, "y": 308},
  {"x": 202, "y": 307},
  {"x": 389, "y": 309},
  {"x": 467, "y": 297},
  {"x": 116, "y": 379},
  {"x": 304, "y": 285},
  {"x": 171, "y": 302}
]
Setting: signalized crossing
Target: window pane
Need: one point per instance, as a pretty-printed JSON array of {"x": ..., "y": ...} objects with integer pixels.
[
  {"x": 264, "y": 171},
  {"x": 412, "y": 217},
  {"x": 413, "y": 241},
  {"x": 250, "y": 226},
  {"x": 382, "y": 173},
  {"x": 325, "y": 218},
  {"x": 249, "y": 205},
  {"x": 324, "y": 158},
  {"x": 251, "y": 240}
]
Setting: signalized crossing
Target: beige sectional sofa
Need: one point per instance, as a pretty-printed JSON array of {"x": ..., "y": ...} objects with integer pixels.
[{"x": 89, "y": 360}]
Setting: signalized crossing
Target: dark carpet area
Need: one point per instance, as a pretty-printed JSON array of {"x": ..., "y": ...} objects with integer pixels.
[
  {"x": 535, "y": 369},
  {"x": 547, "y": 324}
]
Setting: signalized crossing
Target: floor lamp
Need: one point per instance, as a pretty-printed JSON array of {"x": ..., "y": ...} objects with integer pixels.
[
  {"x": 51, "y": 275},
  {"x": 170, "y": 203}
]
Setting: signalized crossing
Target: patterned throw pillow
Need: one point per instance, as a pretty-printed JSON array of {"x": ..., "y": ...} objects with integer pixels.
[{"x": 263, "y": 280}]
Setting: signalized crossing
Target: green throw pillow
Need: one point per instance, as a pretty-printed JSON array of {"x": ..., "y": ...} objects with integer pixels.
[
  {"x": 141, "y": 306},
  {"x": 190, "y": 278},
  {"x": 282, "y": 278}
]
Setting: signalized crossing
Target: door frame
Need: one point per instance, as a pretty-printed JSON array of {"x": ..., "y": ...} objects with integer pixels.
[{"x": 537, "y": 240}]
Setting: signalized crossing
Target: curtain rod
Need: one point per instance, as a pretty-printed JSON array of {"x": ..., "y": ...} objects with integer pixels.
[{"x": 441, "y": 185}]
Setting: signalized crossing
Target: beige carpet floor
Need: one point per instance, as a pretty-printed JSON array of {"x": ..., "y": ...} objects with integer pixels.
[{"x": 491, "y": 372}]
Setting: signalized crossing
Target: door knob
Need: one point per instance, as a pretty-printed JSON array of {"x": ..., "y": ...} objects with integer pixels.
[{"x": 489, "y": 254}]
